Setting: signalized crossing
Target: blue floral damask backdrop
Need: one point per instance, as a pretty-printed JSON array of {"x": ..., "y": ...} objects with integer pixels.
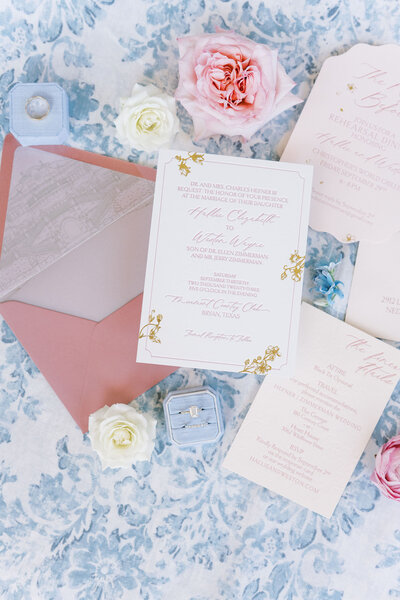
[{"x": 178, "y": 527}]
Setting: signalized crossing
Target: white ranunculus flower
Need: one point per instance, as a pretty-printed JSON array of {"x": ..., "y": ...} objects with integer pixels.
[
  {"x": 147, "y": 120},
  {"x": 121, "y": 435}
]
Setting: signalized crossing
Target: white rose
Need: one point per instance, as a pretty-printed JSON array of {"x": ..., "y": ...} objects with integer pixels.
[
  {"x": 121, "y": 435},
  {"x": 147, "y": 120}
]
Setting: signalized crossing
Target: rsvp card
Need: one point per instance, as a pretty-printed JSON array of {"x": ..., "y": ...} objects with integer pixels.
[
  {"x": 303, "y": 437},
  {"x": 225, "y": 263},
  {"x": 374, "y": 302},
  {"x": 350, "y": 131}
]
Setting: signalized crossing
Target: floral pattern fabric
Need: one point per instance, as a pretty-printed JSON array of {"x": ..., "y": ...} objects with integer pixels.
[{"x": 178, "y": 526}]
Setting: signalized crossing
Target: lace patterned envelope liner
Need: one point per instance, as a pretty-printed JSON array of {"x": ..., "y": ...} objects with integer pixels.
[
  {"x": 55, "y": 204},
  {"x": 350, "y": 131}
]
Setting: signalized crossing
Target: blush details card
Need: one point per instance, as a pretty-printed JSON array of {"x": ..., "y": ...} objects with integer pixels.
[
  {"x": 302, "y": 437},
  {"x": 225, "y": 263},
  {"x": 374, "y": 302},
  {"x": 350, "y": 131}
]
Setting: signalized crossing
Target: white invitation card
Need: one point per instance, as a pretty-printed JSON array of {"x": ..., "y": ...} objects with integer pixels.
[
  {"x": 225, "y": 263},
  {"x": 374, "y": 302},
  {"x": 303, "y": 437}
]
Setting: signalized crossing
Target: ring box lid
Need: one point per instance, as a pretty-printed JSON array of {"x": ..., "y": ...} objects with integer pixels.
[{"x": 53, "y": 128}]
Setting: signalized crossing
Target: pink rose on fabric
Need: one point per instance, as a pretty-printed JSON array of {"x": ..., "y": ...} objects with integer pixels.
[
  {"x": 387, "y": 469},
  {"x": 231, "y": 85}
]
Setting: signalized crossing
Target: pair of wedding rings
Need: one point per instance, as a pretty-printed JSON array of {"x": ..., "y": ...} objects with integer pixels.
[{"x": 37, "y": 108}]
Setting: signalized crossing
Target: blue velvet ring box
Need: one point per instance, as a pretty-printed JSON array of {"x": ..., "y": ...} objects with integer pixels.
[
  {"x": 53, "y": 128},
  {"x": 193, "y": 416}
]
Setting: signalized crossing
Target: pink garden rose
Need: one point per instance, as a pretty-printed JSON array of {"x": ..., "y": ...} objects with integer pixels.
[
  {"x": 231, "y": 85},
  {"x": 387, "y": 469}
]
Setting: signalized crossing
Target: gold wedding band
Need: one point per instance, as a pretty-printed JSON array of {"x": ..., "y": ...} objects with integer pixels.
[{"x": 37, "y": 107}]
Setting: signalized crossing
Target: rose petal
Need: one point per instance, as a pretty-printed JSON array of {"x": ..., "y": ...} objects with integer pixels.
[
  {"x": 230, "y": 84},
  {"x": 147, "y": 119},
  {"x": 386, "y": 475},
  {"x": 121, "y": 422}
]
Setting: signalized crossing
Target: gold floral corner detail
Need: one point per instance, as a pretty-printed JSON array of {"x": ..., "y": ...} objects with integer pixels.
[
  {"x": 183, "y": 167},
  {"x": 295, "y": 268},
  {"x": 260, "y": 365},
  {"x": 349, "y": 238},
  {"x": 151, "y": 329}
]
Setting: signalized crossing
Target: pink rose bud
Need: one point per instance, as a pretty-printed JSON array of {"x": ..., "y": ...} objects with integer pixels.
[
  {"x": 231, "y": 85},
  {"x": 387, "y": 469}
]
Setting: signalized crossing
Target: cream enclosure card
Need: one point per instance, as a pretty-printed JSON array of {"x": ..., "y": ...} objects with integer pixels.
[
  {"x": 374, "y": 303},
  {"x": 350, "y": 131},
  {"x": 225, "y": 262},
  {"x": 303, "y": 436}
]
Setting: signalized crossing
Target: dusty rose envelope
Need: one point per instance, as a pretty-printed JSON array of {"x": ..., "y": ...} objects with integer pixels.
[{"x": 74, "y": 230}]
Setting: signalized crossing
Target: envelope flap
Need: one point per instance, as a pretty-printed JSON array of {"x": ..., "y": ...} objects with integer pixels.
[
  {"x": 56, "y": 203},
  {"x": 87, "y": 364},
  {"x": 112, "y": 374},
  {"x": 58, "y": 345}
]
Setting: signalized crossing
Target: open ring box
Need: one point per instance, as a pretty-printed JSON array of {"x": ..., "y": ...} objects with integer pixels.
[
  {"x": 52, "y": 127},
  {"x": 193, "y": 416}
]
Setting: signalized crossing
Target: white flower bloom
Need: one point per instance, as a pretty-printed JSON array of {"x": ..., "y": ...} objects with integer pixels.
[
  {"x": 147, "y": 120},
  {"x": 121, "y": 435}
]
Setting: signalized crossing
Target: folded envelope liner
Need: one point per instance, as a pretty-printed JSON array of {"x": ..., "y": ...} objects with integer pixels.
[{"x": 74, "y": 230}]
